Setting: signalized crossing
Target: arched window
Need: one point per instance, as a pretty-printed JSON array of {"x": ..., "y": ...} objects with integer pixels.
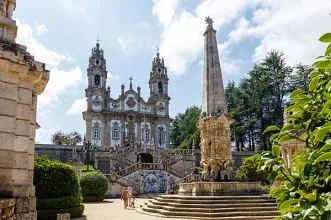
[
  {"x": 96, "y": 80},
  {"x": 160, "y": 87}
]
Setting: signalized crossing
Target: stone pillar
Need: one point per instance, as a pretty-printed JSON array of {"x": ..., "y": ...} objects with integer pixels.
[
  {"x": 289, "y": 158},
  {"x": 88, "y": 130},
  {"x": 107, "y": 134},
  {"x": 168, "y": 184},
  {"x": 96, "y": 160},
  {"x": 21, "y": 80},
  {"x": 139, "y": 131},
  {"x": 141, "y": 184}
]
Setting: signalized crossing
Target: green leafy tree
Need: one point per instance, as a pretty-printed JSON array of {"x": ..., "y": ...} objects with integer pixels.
[
  {"x": 184, "y": 128},
  {"x": 248, "y": 172},
  {"x": 61, "y": 138},
  {"x": 304, "y": 191}
]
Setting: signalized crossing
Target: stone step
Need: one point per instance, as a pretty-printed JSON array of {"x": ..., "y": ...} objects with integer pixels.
[
  {"x": 174, "y": 204},
  {"x": 212, "y": 210},
  {"x": 230, "y": 201},
  {"x": 213, "y": 197},
  {"x": 265, "y": 214}
]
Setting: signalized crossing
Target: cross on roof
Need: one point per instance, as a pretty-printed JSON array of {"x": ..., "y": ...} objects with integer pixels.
[
  {"x": 130, "y": 80},
  {"x": 98, "y": 39}
]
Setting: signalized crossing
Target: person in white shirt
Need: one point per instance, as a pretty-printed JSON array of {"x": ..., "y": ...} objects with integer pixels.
[{"x": 130, "y": 191}]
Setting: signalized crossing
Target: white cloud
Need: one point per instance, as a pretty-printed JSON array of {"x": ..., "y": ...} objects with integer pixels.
[
  {"x": 43, "y": 135},
  {"x": 123, "y": 43},
  {"x": 115, "y": 77},
  {"x": 60, "y": 80},
  {"x": 41, "y": 29},
  {"x": 39, "y": 51},
  {"x": 75, "y": 7},
  {"x": 59, "y": 84},
  {"x": 182, "y": 36},
  {"x": 77, "y": 107},
  {"x": 164, "y": 10},
  {"x": 142, "y": 24},
  {"x": 291, "y": 26}
]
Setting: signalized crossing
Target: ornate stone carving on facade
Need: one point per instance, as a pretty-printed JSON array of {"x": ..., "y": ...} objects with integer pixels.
[
  {"x": 7, "y": 8},
  {"x": 161, "y": 107},
  {"x": 115, "y": 105},
  {"x": 97, "y": 101},
  {"x": 96, "y": 125},
  {"x": 131, "y": 102}
]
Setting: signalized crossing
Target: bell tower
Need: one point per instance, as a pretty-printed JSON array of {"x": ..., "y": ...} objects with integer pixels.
[{"x": 96, "y": 91}]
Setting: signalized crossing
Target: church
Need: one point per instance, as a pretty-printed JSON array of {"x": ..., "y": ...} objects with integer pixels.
[{"x": 128, "y": 119}]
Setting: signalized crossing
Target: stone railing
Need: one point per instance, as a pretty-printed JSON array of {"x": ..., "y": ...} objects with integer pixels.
[
  {"x": 123, "y": 181},
  {"x": 172, "y": 160},
  {"x": 187, "y": 179},
  {"x": 121, "y": 159},
  {"x": 150, "y": 166}
]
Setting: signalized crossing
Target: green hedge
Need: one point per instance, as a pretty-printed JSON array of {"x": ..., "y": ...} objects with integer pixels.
[
  {"x": 58, "y": 203},
  {"x": 94, "y": 184},
  {"x": 57, "y": 189},
  {"x": 54, "y": 179},
  {"x": 93, "y": 198},
  {"x": 51, "y": 213}
]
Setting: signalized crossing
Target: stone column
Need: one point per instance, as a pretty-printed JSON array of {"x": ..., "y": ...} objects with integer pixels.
[
  {"x": 96, "y": 161},
  {"x": 21, "y": 80},
  {"x": 168, "y": 184},
  {"x": 88, "y": 129},
  {"x": 141, "y": 183}
]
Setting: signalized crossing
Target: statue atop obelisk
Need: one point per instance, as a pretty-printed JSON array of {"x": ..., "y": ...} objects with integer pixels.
[{"x": 216, "y": 154}]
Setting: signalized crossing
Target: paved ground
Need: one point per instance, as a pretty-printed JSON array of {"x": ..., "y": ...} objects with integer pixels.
[{"x": 112, "y": 209}]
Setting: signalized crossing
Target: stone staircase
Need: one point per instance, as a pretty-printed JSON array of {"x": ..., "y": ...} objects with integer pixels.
[{"x": 212, "y": 207}]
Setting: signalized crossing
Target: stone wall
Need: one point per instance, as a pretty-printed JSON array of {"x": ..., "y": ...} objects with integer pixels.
[
  {"x": 21, "y": 80},
  {"x": 63, "y": 153}
]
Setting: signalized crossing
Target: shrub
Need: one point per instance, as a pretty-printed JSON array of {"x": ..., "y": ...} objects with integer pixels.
[
  {"x": 58, "y": 203},
  {"x": 94, "y": 184},
  {"x": 57, "y": 189},
  {"x": 54, "y": 179},
  {"x": 90, "y": 167},
  {"x": 51, "y": 213},
  {"x": 248, "y": 172}
]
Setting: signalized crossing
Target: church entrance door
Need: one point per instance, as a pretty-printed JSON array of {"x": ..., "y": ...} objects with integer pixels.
[{"x": 145, "y": 158}]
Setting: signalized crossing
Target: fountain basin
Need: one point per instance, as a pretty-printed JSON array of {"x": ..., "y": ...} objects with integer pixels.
[{"x": 220, "y": 188}]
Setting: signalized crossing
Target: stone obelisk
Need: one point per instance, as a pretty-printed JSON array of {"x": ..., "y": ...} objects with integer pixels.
[
  {"x": 216, "y": 155},
  {"x": 22, "y": 79}
]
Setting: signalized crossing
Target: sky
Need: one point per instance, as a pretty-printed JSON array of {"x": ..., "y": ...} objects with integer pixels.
[{"x": 61, "y": 33}]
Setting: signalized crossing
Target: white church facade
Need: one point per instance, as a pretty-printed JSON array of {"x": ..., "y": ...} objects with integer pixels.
[{"x": 129, "y": 119}]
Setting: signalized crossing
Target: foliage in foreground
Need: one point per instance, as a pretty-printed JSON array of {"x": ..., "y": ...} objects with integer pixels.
[
  {"x": 94, "y": 184},
  {"x": 248, "y": 172},
  {"x": 304, "y": 191}
]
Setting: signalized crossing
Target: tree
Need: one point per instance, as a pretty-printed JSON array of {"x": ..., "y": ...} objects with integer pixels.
[
  {"x": 248, "y": 172},
  {"x": 304, "y": 191},
  {"x": 72, "y": 138},
  {"x": 184, "y": 128},
  {"x": 260, "y": 98}
]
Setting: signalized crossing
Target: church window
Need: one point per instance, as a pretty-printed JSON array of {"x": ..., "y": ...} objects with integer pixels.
[
  {"x": 97, "y": 62},
  {"x": 96, "y": 133},
  {"x": 146, "y": 134},
  {"x": 97, "y": 80},
  {"x": 115, "y": 133},
  {"x": 159, "y": 70},
  {"x": 161, "y": 135},
  {"x": 160, "y": 87}
]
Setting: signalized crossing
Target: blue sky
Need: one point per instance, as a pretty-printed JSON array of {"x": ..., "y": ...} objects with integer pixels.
[{"x": 61, "y": 33}]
